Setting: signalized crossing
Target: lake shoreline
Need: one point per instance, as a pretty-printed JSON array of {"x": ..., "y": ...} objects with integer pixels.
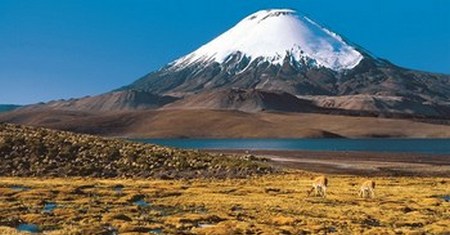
[
  {"x": 414, "y": 146},
  {"x": 355, "y": 163}
]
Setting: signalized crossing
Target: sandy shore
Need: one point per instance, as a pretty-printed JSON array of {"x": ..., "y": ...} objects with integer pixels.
[{"x": 357, "y": 163}]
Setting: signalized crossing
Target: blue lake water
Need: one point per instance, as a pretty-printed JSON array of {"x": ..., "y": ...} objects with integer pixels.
[{"x": 430, "y": 146}]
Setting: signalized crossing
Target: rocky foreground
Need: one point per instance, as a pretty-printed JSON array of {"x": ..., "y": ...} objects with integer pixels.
[{"x": 39, "y": 152}]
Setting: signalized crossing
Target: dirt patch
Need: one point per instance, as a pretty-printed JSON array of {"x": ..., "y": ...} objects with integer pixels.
[{"x": 356, "y": 163}]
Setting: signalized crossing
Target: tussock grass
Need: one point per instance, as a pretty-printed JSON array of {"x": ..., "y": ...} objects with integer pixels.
[{"x": 30, "y": 152}]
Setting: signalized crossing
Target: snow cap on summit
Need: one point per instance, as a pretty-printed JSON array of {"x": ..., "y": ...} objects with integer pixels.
[{"x": 275, "y": 34}]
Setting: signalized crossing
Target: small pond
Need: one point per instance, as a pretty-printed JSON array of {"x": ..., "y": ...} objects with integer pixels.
[
  {"x": 49, "y": 207},
  {"x": 446, "y": 198},
  {"x": 141, "y": 203},
  {"x": 156, "y": 231},
  {"x": 19, "y": 188},
  {"x": 29, "y": 228}
]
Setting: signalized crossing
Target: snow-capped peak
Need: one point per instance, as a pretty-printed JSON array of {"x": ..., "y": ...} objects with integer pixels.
[{"x": 274, "y": 34}]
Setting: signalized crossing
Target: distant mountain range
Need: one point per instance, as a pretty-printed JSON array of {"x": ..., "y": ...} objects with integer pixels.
[{"x": 277, "y": 61}]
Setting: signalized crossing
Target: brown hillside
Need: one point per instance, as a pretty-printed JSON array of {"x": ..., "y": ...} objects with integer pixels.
[{"x": 224, "y": 124}]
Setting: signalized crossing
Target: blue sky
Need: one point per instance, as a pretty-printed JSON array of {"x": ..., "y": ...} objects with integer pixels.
[{"x": 52, "y": 49}]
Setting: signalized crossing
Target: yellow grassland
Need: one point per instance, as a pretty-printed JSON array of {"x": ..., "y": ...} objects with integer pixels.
[{"x": 272, "y": 204}]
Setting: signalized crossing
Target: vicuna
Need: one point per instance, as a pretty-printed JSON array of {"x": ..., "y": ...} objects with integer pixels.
[{"x": 319, "y": 186}]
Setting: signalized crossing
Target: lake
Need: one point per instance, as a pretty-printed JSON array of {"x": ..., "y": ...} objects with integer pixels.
[{"x": 430, "y": 146}]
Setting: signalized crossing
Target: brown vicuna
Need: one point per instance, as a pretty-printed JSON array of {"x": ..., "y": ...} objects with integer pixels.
[
  {"x": 319, "y": 186},
  {"x": 367, "y": 189}
]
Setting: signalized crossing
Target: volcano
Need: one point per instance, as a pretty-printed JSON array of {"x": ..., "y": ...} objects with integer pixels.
[
  {"x": 283, "y": 51},
  {"x": 280, "y": 61}
]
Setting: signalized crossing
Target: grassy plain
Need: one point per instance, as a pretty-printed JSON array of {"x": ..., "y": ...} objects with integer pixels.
[{"x": 271, "y": 204}]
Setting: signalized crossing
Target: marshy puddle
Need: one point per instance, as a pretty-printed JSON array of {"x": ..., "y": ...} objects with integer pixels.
[
  {"x": 446, "y": 198},
  {"x": 141, "y": 203},
  {"x": 118, "y": 189},
  {"x": 109, "y": 230},
  {"x": 156, "y": 231},
  {"x": 49, "y": 207},
  {"x": 19, "y": 188},
  {"x": 201, "y": 210},
  {"x": 29, "y": 228},
  {"x": 205, "y": 225}
]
